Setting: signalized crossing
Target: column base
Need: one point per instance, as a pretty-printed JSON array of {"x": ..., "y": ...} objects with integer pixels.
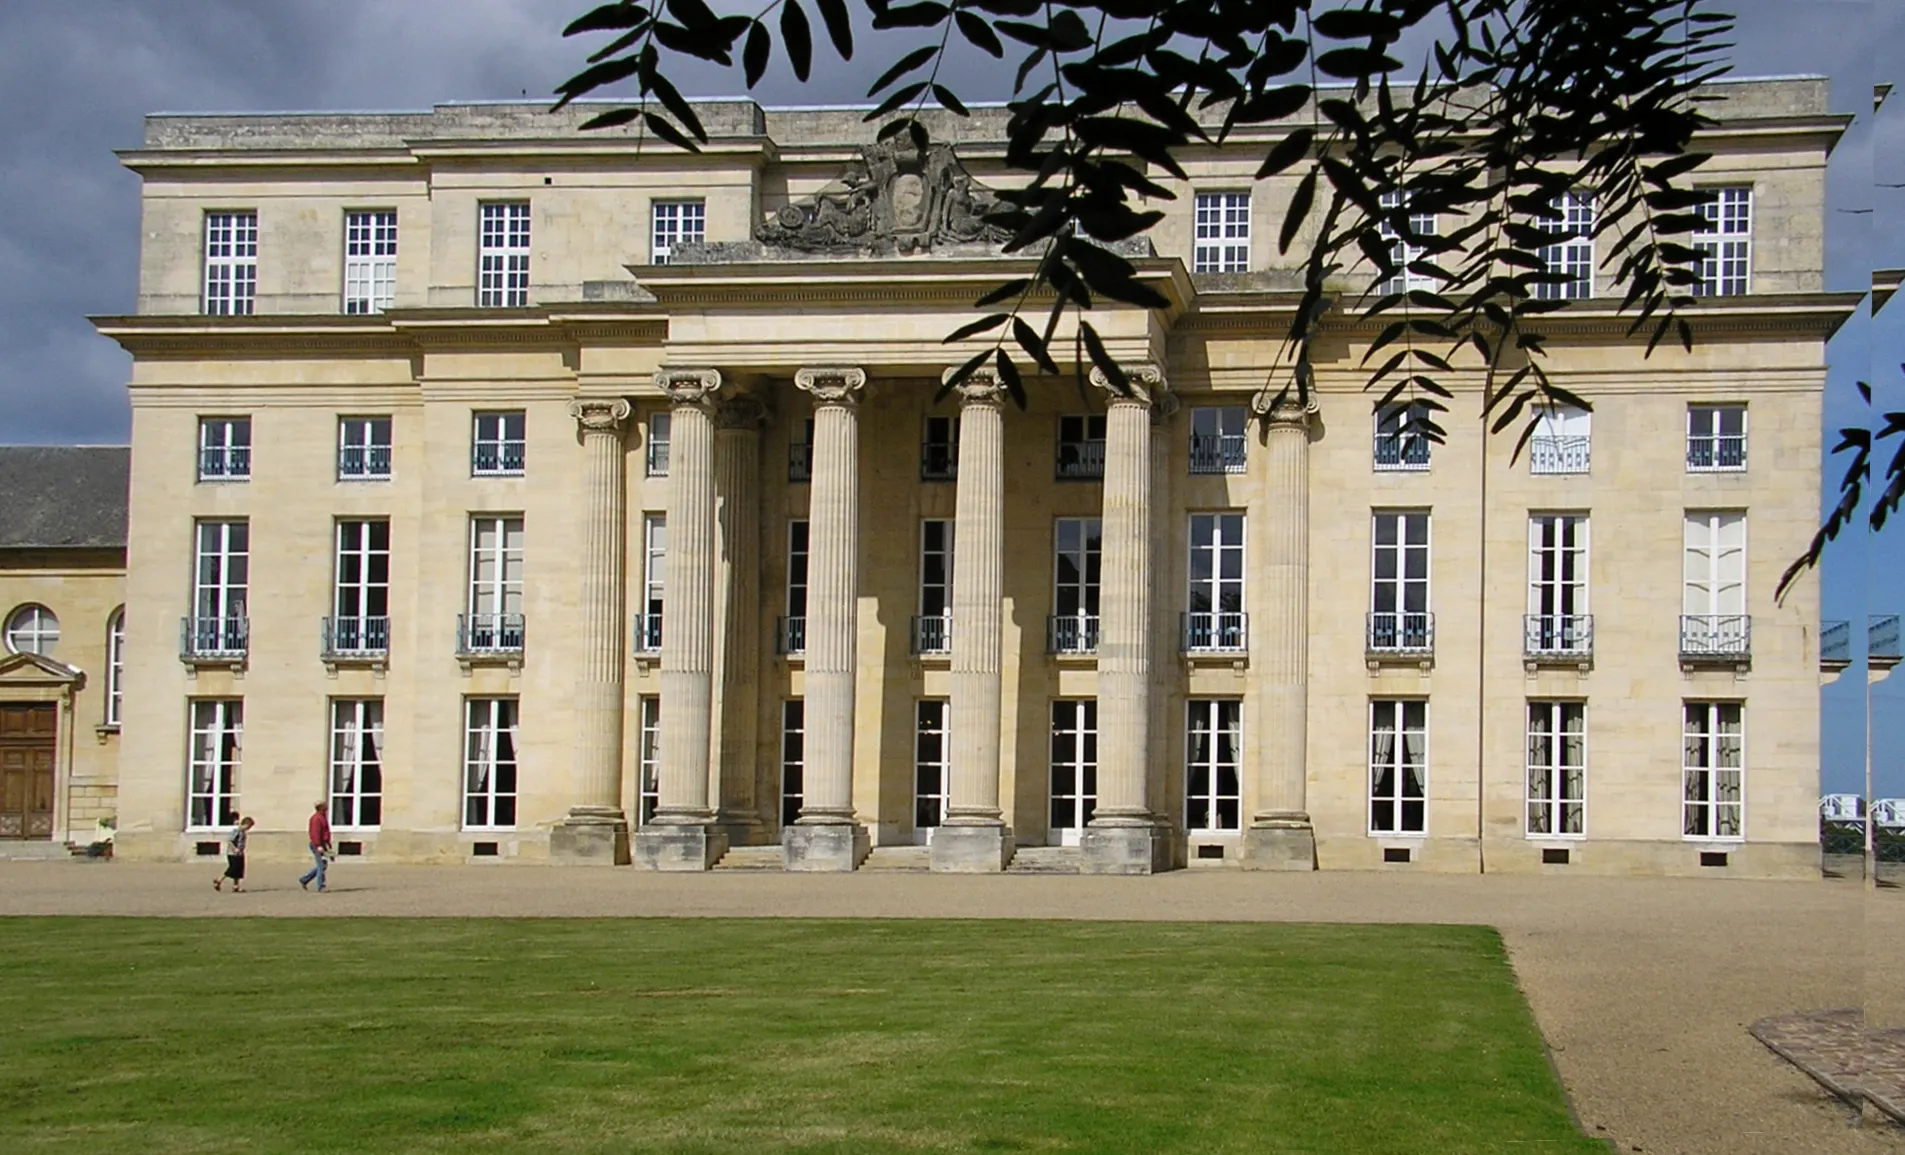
[
  {"x": 978, "y": 849},
  {"x": 589, "y": 839},
  {"x": 1142, "y": 849},
  {"x": 1279, "y": 848},
  {"x": 832, "y": 847},
  {"x": 679, "y": 848},
  {"x": 741, "y": 829}
]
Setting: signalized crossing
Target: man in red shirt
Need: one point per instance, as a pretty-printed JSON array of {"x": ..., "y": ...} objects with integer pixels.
[{"x": 320, "y": 832}]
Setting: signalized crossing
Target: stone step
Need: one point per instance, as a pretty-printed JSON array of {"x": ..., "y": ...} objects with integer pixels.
[
  {"x": 1044, "y": 860},
  {"x": 751, "y": 858},
  {"x": 35, "y": 850},
  {"x": 906, "y": 858}
]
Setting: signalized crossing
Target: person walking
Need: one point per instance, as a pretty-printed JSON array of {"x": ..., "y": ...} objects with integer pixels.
[
  {"x": 320, "y": 832},
  {"x": 234, "y": 857}
]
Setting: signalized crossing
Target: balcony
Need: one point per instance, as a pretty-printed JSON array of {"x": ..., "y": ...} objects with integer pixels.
[
  {"x": 214, "y": 641},
  {"x": 790, "y": 635},
  {"x": 938, "y": 461},
  {"x": 1399, "y": 454},
  {"x": 655, "y": 464},
  {"x": 1881, "y": 641},
  {"x": 932, "y": 634},
  {"x": 648, "y": 633},
  {"x": 224, "y": 463},
  {"x": 355, "y": 641},
  {"x": 1408, "y": 636},
  {"x": 1071, "y": 634},
  {"x": 1080, "y": 461},
  {"x": 497, "y": 459},
  {"x": 800, "y": 463},
  {"x": 1551, "y": 454},
  {"x": 363, "y": 463},
  {"x": 1217, "y": 453},
  {"x": 489, "y": 639},
  {"x": 1204, "y": 632},
  {"x": 1557, "y": 638},
  {"x": 1835, "y": 645},
  {"x": 1724, "y": 639},
  {"x": 1722, "y": 453}
]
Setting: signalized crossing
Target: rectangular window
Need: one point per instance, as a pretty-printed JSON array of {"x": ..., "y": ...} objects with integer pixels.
[
  {"x": 1399, "y": 582},
  {"x": 1561, "y": 441},
  {"x": 361, "y": 599},
  {"x": 793, "y": 760},
  {"x": 370, "y": 261},
  {"x": 1713, "y": 601},
  {"x": 115, "y": 667},
  {"x": 1074, "y": 768},
  {"x": 1401, "y": 443},
  {"x": 496, "y": 583},
  {"x": 677, "y": 223},
  {"x": 1222, "y": 243},
  {"x": 231, "y": 264},
  {"x": 654, "y": 583},
  {"x": 1077, "y": 569},
  {"x": 1558, "y": 621},
  {"x": 1081, "y": 448},
  {"x": 363, "y": 449},
  {"x": 1716, "y": 438},
  {"x": 655, "y": 448},
  {"x": 793, "y": 632},
  {"x": 1725, "y": 242},
  {"x": 1213, "y": 753},
  {"x": 1557, "y": 768},
  {"x": 498, "y": 443},
  {"x": 224, "y": 449},
  {"x": 218, "y": 729},
  {"x": 800, "y": 454},
  {"x": 649, "y": 791},
  {"x": 1572, "y": 254},
  {"x": 221, "y": 573},
  {"x": 489, "y": 764},
  {"x": 1215, "y": 600},
  {"x": 357, "y": 763},
  {"x": 1405, "y": 248},
  {"x": 939, "y": 450},
  {"x": 932, "y": 769},
  {"x": 503, "y": 256},
  {"x": 1398, "y": 766},
  {"x": 932, "y": 629},
  {"x": 1712, "y": 767},
  {"x": 1217, "y": 439}
]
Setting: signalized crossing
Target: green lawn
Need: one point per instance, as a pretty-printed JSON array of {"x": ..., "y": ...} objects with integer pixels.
[{"x": 158, "y": 1036}]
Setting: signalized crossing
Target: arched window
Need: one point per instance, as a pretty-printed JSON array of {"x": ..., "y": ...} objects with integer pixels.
[
  {"x": 115, "y": 664},
  {"x": 32, "y": 629}
]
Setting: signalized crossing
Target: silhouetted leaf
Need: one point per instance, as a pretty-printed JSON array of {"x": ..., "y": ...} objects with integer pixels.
[{"x": 797, "y": 38}]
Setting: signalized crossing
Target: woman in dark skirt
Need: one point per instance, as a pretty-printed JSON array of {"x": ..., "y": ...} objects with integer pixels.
[{"x": 234, "y": 857}]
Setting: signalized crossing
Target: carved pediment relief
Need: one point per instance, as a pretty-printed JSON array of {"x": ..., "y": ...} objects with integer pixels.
[{"x": 897, "y": 197}]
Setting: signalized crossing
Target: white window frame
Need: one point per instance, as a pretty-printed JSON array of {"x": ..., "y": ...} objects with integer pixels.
[
  {"x": 794, "y": 625},
  {"x": 1404, "y": 722},
  {"x": 1563, "y": 440},
  {"x": 1725, "y": 242},
  {"x": 1708, "y": 441},
  {"x": 370, "y": 261},
  {"x": 1704, "y": 752},
  {"x": 224, "y": 449},
  {"x": 1397, "y": 594},
  {"x": 503, "y": 255},
  {"x": 496, "y": 576},
  {"x": 1219, "y": 442},
  {"x": 1711, "y": 584},
  {"x": 676, "y": 222},
  {"x": 1559, "y": 565},
  {"x": 939, "y": 449},
  {"x": 649, "y": 622},
  {"x": 487, "y": 804},
  {"x": 932, "y": 766},
  {"x": 231, "y": 263},
  {"x": 498, "y": 431},
  {"x": 793, "y": 791},
  {"x": 33, "y": 629},
  {"x": 655, "y": 446},
  {"x": 360, "y": 584},
  {"x": 1221, "y": 232},
  {"x": 1220, "y": 536},
  {"x": 115, "y": 667},
  {"x": 1573, "y": 257},
  {"x": 935, "y": 593},
  {"x": 1077, "y": 547},
  {"x": 217, "y": 727},
  {"x": 357, "y": 763},
  {"x": 364, "y": 448},
  {"x": 1080, "y": 454},
  {"x": 1395, "y": 448},
  {"x": 1557, "y": 765},
  {"x": 1074, "y": 729},
  {"x": 221, "y": 570},
  {"x": 1213, "y": 723},
  {"x": 1402, "y": 251},
  {"x": 648, "y": 787}
]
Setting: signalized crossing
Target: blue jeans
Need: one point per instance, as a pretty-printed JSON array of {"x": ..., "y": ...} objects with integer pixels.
[{"x": 317, "y": 869}]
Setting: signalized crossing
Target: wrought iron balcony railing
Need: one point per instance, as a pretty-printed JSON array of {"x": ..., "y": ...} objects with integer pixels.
[
  {"x": 656, "y": 463},
  {"x": 790, "y": 635},
  {"x": 214, "y": 637},
  {"x": 348, "y": 637},
  {"x": 1558, "y": 635},
  {"x": 1080, "y": 461},
  {"x": 932, "y": 635},
  {"x": 1393, "y": 451},
  {"x": 1716, "y": 635},
  {"x": 1835, "y": 643},
  {"x": 489, "y": 633},
  {"x": 1071, "y": 634},
  {"x": 648, "y": 633},
  {"x": 497, "y": 459},
  {"x": 1723, "y": 453},
  {"x": 363, "y": 461},
  {"x": 1881, "y": 637},
  {"x": 800, "y": 462},
  {"x": 224, "y": 463},
  {"x": 1558, "y": 454},
  {"x": 1390, "y": 632},
  {"x": 1204, "y": 632},
  {"x": 1217, "y": 453}
]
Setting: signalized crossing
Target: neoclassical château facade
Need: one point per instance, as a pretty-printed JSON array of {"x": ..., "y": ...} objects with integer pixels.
[{"x": 529, "y": 494}]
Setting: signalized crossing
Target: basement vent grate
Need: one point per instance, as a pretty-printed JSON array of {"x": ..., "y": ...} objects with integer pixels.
[
  {"x": 484, "y": 850},
  {"x": 1554, "y": 856},
  {"x": 205, "y": 849},
  {"x": 1210, "y": 852},
  {"x": 1712, "y": 858},
  {"x": 1395, "y": 854},
  {"x": 350, "y": 849}
]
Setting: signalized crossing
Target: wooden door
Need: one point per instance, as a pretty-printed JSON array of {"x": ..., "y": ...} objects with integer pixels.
[{"x": 28, "y": 736}]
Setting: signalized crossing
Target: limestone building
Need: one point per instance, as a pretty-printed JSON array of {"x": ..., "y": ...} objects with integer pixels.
[{"x": 532, "y": 494}]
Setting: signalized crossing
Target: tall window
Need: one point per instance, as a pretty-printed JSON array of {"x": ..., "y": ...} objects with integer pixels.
[
  {"x": 1725, "y": 242},
  {"x": 1074, "y": 768},
  {"x": 1400, "y": 442},
  {"x": 1213, "y": 752},
  {"x": 503, "y": 258},
  {"x": 1712, "y": 766},
  {"x": 933, "y": 627},
  {"x": 655, "y": 459},
  {"x": 1398, "y": 766},
  {"x": 498, "y": 443},
  {"x": 115, "y": 666},
  {"x": 677, "y": 223},
  {"x": 1217, "y": 439},
  {"x": 1077, "y": 564},
  {"x": 654, "y": 582},
  {"x": 231, "y": 264},
  {"x": 361, "y": 601},
  {"x": 1713, "y": 604},
  {"x": 793, "y": 759},
  {"x": 1572, "y": 254},
  {"x": 932, "y": 769},
  {"x": 218, "y": 727},
  {"x": 1215, "y": 600},
  {"x": 794, "y": 627},
  {"x": 1562, "y": 440},
  {"x": 489, "y": 764},
  {"x": 363, "y": 449},
  {"x": 224, "y": 448},
  {"x": 939, "y": 449},
  {"x": 496, "y": 583},
  {"x": 221, "y": 573},
  {"x": 1557, "y": 583},
  {"x": 1222, "y": 243},
  {"x": 649, "y": 791},
  {"x": 370, "y": 261},
  {"x": 1404, "y": 247},
  {"x": 1081, "y": 447},
  {"x": 1716, "y": 438},
  {"x": 32, "y": 629},
  {"x": 1557, "y": 768},
  {"x": 1399, "y": 581},
  {"x": 357, "y": 763},
  {"x": 800, "y": 453}
]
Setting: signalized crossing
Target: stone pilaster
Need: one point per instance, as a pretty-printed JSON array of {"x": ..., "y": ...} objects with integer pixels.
[
  {"x": 825, "y": 836},
  {"x": 595, "y": 831},
  {"x": 974, "y": 839},
  {"x": 682, "y": 835},
  {"x": 1123, "y": 836},
  {"x": 735, "y": 717},
  {"x": 1280, "y": 835}
]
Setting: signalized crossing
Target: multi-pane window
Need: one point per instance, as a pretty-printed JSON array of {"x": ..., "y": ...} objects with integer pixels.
[
  {"x": 648, "y": 791},
  {"x": 1572, "y": 254},
  {"x": 32, "y": 629},
  {"x": 1213, "y": 755},
  {"x": 1712, "y": 765},
  {"x": 489, "y": 764},
  {"x": 932, "y": 632},
  {"x": 1404, "y": 247},
  {"x": 1222, "y": 242},
  {"x": 1562, "y": 440},
  {"x": 498, "y": 443},
  {"x": 1077, "y": 552},
  {"x": 1398, "y": 765},
  {"x": 1399, "y": 581},
  {"x": 1401, "y": 443},
  {"x": 1215, "y": 600},
  {"x": 1217, "y": 439},
  {"x": 1081, "y": 447},
  {"x": 939, "y": 449},
  {"x": 1716, "y": 438},
  {"x": 800, "y": 453},
  {"x": 1557, "y": 768},
  {"x": 1713, "y": 601},
  {"x": 654, "y": 582},
  {"x": 221, "y": 573},
  {"x": 231, "y": 264},
  {"x": 503, "y": 256},
  {"x": 361, "y": 600},
  {"x": 1725, "y": 242},
  {"x": 218, "y": 727},
  {"x": 224, "y": 448},
  {"x": 496, "y": 583},
  {"x": 793, "y": 759},
  {"x": 793, "y": 633},
  {"x": 370, "y": 261},
  {"x": 677, "y": 223},
  {"x": 115, "y": 666},
  {"x": 363, "y": 449},
  {"x": 357, "y": 763},
  {"x": 655, "y": 455},
  {"x": 1074, "y": 768},
  {"x": 932, "y": 765},
  {"x": 1558, "y": 621}
]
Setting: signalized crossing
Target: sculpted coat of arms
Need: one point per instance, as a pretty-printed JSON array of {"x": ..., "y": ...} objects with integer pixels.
[{"x": 897, "y": 197}]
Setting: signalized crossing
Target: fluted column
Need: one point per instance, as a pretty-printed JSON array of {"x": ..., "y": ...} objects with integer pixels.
[
  {"x": 681, "y": 837},
  {"x": 1123, "y": 837},
  {"x": 1280, "y": 835},
  {"x": 825, "y": 836},
  {"x": 735, "y": 718},
  {"x": 974, "y": 839},
  {"x": 596, "y": 830}
]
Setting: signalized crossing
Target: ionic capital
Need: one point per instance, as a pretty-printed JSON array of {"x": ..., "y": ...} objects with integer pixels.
[
  {"x": 981, "y": 387},
  {"x": 1163, "y": 407},
  {"x": 1147, "y": 383},
  {"x": 1283, "y": 409},
  {"x": 599, "y": 415},
  {"x": 743, "y": 411},
  {"x": 832, "y": 384},
  {"x": 695, "y": 387}
]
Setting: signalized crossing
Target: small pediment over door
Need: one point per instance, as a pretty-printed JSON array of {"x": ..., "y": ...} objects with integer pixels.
[{"x": 23, "y": 672}]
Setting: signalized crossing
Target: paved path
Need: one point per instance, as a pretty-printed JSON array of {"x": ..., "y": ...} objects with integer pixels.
[{"x": 1644, "y": 987}]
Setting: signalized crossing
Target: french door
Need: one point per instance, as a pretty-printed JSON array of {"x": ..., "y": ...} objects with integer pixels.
[{"x": 1074, "y": 769}]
